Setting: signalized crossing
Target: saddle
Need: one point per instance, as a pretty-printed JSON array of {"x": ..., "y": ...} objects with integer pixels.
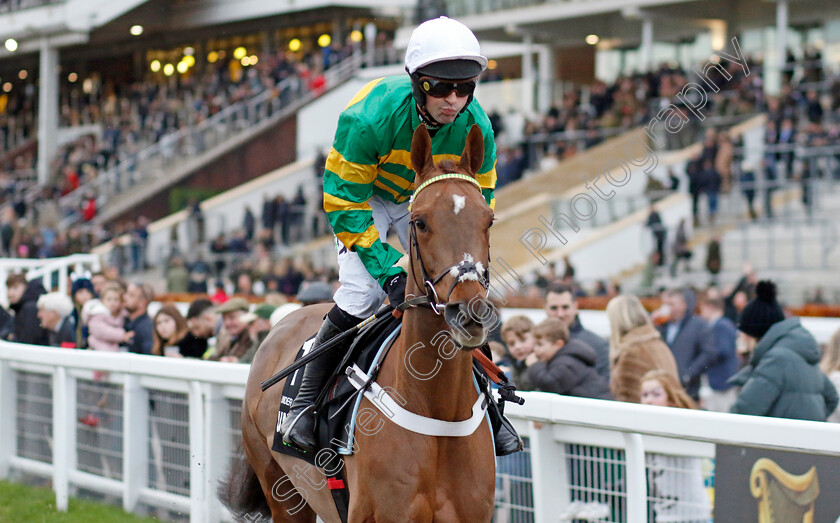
[{"x": 335, "y": 410}]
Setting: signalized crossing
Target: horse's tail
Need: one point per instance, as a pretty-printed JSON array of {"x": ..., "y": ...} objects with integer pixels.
[{"x": 241, "y": 491}]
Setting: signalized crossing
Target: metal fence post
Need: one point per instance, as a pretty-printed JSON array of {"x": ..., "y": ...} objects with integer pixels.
[
  {"x": 218, "y": 448},
  {"x": 8, "y": 413},
  {"x": 550, "y": 478},
  {"x": 135, "y": 440},
  {"x": 636, "y": 478},
  {"x": 197, "y": 454},
  {"x": 63, "y": 435}
]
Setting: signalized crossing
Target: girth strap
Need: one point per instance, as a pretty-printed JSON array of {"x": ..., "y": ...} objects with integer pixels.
[{"x": 409, "y": 420}]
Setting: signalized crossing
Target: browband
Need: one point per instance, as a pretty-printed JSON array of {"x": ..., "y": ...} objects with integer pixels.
[{"x": 441, "y": 177}]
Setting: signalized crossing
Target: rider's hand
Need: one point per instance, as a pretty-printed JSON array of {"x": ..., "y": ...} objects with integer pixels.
[{"x": 395, "y": 289}]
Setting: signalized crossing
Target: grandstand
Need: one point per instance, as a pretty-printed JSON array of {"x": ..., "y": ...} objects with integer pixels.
[{"x": 642, "y": 146}]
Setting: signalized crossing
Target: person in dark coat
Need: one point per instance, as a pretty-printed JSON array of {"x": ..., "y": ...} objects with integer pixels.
[
  {"x": 137, "y": 299},
  {"x": 23, "y": 300},
  {"x": 722, "y": 394},
  {"x": 7, "y": 324},
  {"x": 782, "y": 378},
  {"x": 660, "y": 233},
  {"x": 564, "y": 366},
  {"x": 689, "y": 339},
  {"x": 560, "y": 303}
]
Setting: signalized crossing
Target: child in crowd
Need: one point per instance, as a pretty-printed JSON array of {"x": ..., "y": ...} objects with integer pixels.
[
  {"x": 105, "y": 318},
  {"x": 517, "y": 335},
  {"x": 564, "y": 366},
  {"x": 675, "y": 482}
]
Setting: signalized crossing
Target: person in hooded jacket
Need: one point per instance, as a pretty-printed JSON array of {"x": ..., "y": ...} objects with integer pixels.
[
  {"x": 782, "y": 378},
  {"x": 23, "y": 300}
]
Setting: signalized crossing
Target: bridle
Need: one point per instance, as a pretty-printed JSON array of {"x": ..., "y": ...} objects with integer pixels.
[{"x": 466, "y": 269}]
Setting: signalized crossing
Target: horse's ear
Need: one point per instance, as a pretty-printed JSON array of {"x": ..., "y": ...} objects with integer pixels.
[
  {"x": 473, "y": 155},
  {"x": 421, "y": 150}
]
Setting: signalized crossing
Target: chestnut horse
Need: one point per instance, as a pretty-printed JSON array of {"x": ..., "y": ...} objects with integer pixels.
[{"x": 395, "y": 475}]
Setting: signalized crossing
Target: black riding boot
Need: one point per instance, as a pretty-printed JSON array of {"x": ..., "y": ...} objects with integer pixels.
[
  {"x": 506, "y": 439},
  {"x": 299, "y": 428}
]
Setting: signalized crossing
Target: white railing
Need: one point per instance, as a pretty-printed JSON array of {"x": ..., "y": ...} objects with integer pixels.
[
  {"x": 153, "y": 432},
  {"x": 54, "y": 272},
  {"x": 159, "y": 434}
]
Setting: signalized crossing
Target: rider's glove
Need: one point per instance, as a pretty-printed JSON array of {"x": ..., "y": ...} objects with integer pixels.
[{"x": 395, "y": 289}]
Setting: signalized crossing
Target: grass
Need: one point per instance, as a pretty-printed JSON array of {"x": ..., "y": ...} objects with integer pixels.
[{"x": 25, "y": 504}]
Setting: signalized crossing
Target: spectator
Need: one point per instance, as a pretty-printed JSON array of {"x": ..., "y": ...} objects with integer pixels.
[
  {"x": 98, "y": 280},
  {"x": 137, "y": 299},
  {"x": 747, "y": 181},
  {"x": 220, "y": 295},
  {"x": 289, "y": 279},
  {"x": 723, "y": 160},
  {"x": 177, "y": 277},
  {"x": 562, "y": 365},
  {"x": 259, "y": 325},
  {"x": 660, "y": 233},
  {"x": 23, "y": 301},
  {"x": 688, "y": 338},
  {"x": 269, "y": 212},
  {"x": 676, "y": 483},
  {"x": 105, "y": 319},
  {"x": 696, "y": 185},
  {"x": 725, "y": 365},
  {"x": 7, "y": 324},
  {"x": 713, "y": 257},
  {"x": 782, "y": 378},
  {"x": 518, "y": 335},
  {"x": 203, "y": 323},
  {"x": 199, "y": 273},
  {"x": 248, "y": 224},
  {"x": 636, "y": 348},
  {"x": 560, "y": 303},
  {"x": 830, "y": 365},
  {"x": 712, "y": 180},
  {"x": 315, "y": 292},
  {"x": 681, "y": 250},
  {"x": 170, "y": 330},
  {"x": 55, "y": 310},
  {"x": 244, "y": 284},
  {"x": 233, "y": 340},
  {"x": 81, "y": 292}
]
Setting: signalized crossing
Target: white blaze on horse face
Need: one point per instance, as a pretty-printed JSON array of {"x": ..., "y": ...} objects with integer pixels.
[{"x": 459, "y": 202}]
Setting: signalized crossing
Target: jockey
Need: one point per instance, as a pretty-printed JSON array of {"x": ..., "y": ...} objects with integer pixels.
[{"x": 369, "y": 179}]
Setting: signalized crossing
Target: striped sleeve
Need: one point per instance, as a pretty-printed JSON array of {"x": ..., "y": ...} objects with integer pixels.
[
  {"x": 350, "y": 172},
  {"x": 487, "y": 174}
]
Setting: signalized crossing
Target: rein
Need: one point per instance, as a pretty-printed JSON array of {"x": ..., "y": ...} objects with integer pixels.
[{"x": 466, "y": 269}]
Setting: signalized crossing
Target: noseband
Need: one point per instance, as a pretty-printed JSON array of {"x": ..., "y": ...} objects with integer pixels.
[{"x": 467, "y": 269}]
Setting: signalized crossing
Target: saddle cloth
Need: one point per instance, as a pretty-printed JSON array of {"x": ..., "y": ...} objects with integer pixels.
[{"x": 336, "y": 411}]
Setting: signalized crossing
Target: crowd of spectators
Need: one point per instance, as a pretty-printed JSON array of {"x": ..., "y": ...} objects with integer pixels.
[{"x": 740, "y": 353}]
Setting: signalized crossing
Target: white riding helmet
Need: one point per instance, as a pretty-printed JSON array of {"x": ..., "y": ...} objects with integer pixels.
[{"x": 444, "y": 48}]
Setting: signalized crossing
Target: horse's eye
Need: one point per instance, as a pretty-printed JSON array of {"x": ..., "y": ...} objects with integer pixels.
[
  {"x": 421, "y": 225},
  {"x": 491, "y": 223}
]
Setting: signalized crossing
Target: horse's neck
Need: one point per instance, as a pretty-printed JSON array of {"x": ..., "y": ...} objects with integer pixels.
[{"x": 424, "y": 371}]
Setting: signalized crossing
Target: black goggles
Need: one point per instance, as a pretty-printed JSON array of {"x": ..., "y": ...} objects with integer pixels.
[{"x": 442, "y": 88}]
